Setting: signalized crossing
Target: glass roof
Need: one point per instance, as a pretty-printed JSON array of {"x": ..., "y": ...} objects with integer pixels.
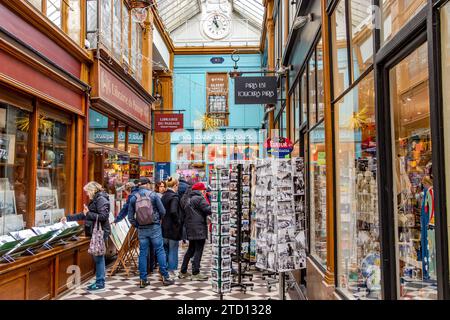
[{"x": 174, "y": 13}]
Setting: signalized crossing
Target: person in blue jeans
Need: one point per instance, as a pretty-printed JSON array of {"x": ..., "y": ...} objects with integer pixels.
[
  {"x": 172, "y": 226},
  {"x": 97, "y": 210},
  {"x": 150, "y": 233}
]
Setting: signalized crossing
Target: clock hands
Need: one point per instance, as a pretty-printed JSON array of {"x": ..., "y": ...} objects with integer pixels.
[{"x": 215, "y": 21}]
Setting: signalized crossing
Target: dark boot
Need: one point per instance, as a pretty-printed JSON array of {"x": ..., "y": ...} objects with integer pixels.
[{"x": 143, "y": 283}]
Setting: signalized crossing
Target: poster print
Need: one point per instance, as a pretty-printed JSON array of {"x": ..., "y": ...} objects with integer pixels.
[{"x": 7, "y": 203}]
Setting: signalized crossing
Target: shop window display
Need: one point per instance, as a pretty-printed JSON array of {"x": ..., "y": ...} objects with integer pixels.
[
  {"x": 14, "y": 128},
  {"x": 359, "y": 273},
  {"x": 317, "y": 201},
  {"x": 445, "y": 52},
  {"x": 413, "y": 178},
  {"x": 53, "y": 177},
  {"x": 312, "y": 91},
  {"x": 397, "y": 13},
  {"x": 339, "y": 50},
  {"x": 320, "y": 82},
  {"x": 101, "y": 129},
  {"x": 135, "y": 143}
]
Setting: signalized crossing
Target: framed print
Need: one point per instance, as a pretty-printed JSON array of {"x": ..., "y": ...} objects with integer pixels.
[
  {"x": 7, "y": 203},
  {"x": 7, "y": 148},
  {"x": 46, "y": 199},
  {"x": 43, "y": 179}
]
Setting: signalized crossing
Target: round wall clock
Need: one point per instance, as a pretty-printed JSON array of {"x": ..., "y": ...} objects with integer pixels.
[{"x": 217, "y": 26}]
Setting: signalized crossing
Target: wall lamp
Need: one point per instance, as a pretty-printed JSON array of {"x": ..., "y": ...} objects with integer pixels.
[{"x": 301, "y": 21}]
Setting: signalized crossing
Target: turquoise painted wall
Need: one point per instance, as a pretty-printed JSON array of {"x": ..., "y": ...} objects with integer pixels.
[{"x": 190, "y": 88}]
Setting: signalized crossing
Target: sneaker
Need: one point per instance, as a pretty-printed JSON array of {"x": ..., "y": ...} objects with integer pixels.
[
  {"x": 167, "y": 281},
  {"x": 173, "y": 274},
  {"x": 95, "y": 288},
  {"x": 199, "y": 277},
  {"x": 185, "y": 275},
  {"x": 143, "y": 283}
]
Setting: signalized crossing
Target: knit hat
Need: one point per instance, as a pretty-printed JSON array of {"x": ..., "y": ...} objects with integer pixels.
[{"x": 199, "y": 186}]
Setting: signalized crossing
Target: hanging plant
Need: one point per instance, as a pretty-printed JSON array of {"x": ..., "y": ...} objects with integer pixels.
[{"x": 359, "y": 119}]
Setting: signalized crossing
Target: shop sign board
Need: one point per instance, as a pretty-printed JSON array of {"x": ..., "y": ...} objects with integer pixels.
[
  {"x": 217, "y": 60},
  {"x": 255, "y": 90},
  {"x": 280, "y": 147},
  {"x": 122, "y": 97},
  {"x": 168, "y": 122}
]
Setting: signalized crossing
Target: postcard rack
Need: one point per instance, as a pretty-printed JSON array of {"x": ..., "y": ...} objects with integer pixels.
[{"x": 127, "y": 253}]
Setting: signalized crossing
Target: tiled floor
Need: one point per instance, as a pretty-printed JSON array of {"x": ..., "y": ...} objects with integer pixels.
[{"x": 120, "y": 287}]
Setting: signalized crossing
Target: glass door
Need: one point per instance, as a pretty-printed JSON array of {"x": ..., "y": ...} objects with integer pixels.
[{"x": 415, "y": 237}]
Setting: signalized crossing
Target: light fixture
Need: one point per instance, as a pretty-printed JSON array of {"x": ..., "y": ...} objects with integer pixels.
[
  {"x": 139, "y": 9},
  {"x": 301, "y": 21},
  {"x": 235, "y": 57}
]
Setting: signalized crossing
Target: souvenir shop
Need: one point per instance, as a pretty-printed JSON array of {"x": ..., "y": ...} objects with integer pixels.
[
  {"x": 368, "y": 109},
  {"x": 42, "y": 113},
  {"x": 119, "y": 129}
]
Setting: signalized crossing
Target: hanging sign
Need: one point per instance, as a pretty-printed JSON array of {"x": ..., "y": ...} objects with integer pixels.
[
  {"x": 255, "y": 90},
  {"x": 168, "y": 122},
  {"x": 162, "y": 171},
  {"x": 280, "y": 147}
]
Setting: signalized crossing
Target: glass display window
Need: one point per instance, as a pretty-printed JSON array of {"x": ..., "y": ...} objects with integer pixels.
[
  {"x": 320, "y": 82},
  {"x": 135, "y": 142},
  {"x": 397, "y": 13},
  {"x": 304, "y": 98},
  {"x": 186, "y": 153},
  {"x": 318, "y": 191},
  {"x": 312, "y": 90},
  {"x": 122, "y": 136},
  {"x": 14, "y": 160},
  {"x": 445, "y": 58},
  {"x": 54, "y": 188},
  {"x": 101, "y": 128},
  {"x": 340, "y": 57},
  {"x": 357, "y": 219},
  {"x": 413, "y": 178},
  {"x": 361, "y": 36},
  {"x": 217, "y": 152},
  {"x": 297, "y": 114}
]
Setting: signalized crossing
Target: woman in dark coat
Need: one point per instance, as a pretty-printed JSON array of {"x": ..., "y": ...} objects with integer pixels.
[
  {"x": 98, "y": 208},
  {"x": 196, "y": 209},
  {"x": 172, "y": 227}
]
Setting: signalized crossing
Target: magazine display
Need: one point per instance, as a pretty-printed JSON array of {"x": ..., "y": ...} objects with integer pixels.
[{"x": 280, "y": 217}]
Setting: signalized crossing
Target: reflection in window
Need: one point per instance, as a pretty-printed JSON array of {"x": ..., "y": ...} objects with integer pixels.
[
  {"x": 91, "y": 23},
  {"x": 359, "y": 274},
  {"x": 121, "y": 138},
  {"x": 312, "y": 91},
  {"x": 397, "y": 13},
  {"x": 53, "y": 165},
  {"x": 126, "y": 33},
  {"x": 54, "y": 11},
  {"x": 320, "y": 83},
  {"x": 413, "y": 177},
  {"x": 14, "y": 127},
  {"x": 74, "y": 20},
  {"x": 106, "y": 30},
  {"x": 339, "y": 50},
  {"x": 135, "y": 143},
  {"x": 318, "y": 192},
  {"x": 361, "y": 33},
  {"x": 304, "y": 98},
  {"x": 297, "y": 115},
  {"x": 36, "y": 3},
  {"x": 101, "y": 129},
  {"x": 117, "y": 28}
]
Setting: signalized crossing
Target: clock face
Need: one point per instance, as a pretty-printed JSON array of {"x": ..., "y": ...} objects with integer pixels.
[{"x": 217, "y": 26}]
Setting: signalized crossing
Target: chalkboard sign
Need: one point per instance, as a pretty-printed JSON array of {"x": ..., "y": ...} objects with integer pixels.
[{"x": 255, "y": 90}]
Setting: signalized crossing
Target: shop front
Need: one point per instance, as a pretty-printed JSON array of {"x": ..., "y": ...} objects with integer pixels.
[
  {"x": 119, "y": 130},
  {"x": 43, "y": 100}
]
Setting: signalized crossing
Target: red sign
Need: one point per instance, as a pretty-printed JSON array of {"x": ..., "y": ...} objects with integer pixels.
[
  {"x": 122, "y": 97},
  {"x": 168, "y": 122},
  {"x": 281, "y": 147}
]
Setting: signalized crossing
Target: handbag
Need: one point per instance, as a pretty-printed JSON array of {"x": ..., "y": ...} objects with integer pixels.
[{"x": 97, "y": 246}]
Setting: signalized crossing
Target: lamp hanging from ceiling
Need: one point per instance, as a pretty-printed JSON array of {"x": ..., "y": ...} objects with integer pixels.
[{"x": 139, "y": 9}]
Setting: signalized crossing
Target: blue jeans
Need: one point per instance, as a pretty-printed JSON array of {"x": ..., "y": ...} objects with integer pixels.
[
  {"x": 152, "y": 235},
  {"x": 100, "y": 270},
  {"x": 171, "y": 248}
]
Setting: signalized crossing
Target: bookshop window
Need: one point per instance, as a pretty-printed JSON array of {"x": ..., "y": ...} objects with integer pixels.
[
  {"x": 318, "y": 190},
  {"x": 296, "y": 109},
  {"x": 116, "y": 171},
  {"x": 359, "y": 274},
  {"x": 135, "y": 142},
  {"x": 14, "y": 160},
  {"x": 339, "y": 50},
  {"x": 397, "y": 13},
  {"x": 283, "y": 124},
  {"x": 312, "y": 91},
  {"x": 445, "y": 51},
  {"x": 101, "y": 128},
  {"x": 361, "y": 33},
  {"x": 53, "y": 170},
  {"x": 413, "y": 177}
]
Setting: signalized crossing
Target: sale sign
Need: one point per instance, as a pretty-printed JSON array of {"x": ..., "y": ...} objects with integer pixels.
[{"x": 168, "y": 122}]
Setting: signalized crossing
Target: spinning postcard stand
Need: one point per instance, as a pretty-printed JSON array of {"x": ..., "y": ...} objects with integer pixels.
[
  {"x": 220, "y": 219},
  {"x": 280, "y": 231}
]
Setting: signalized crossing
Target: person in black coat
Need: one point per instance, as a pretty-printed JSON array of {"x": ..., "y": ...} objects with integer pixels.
[
  {"x": 196, "y": 209},
  {"x": 98, "y": 209},
  {"x": 183, "y": 187},
  {"x": 172, "y": 227}
]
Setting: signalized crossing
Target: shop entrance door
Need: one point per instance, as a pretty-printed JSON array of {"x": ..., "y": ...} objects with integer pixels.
[{"x": 412, "y": 214}]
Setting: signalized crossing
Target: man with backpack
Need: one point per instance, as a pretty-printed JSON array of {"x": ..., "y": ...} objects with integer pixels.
[{"x": 145, "y": 213}]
